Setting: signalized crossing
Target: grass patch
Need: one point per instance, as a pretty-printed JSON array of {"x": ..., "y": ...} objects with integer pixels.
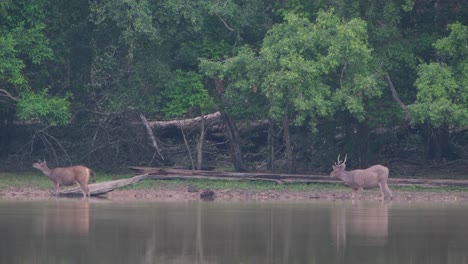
[
  {"x": 232, "y": 185},
  {"x": 40, "y": 181},
  {"x": 15, "y": 180},
  {"x": 422, "y": 188}
]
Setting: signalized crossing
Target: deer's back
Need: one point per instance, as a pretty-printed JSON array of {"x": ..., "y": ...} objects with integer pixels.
[
  {"x": 370, "y": 177},
  {"x": 70, "y": 175},
  {"x": 379, "y": 170}
]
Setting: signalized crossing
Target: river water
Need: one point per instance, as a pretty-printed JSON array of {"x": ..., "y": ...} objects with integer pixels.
[{"x": 103, "y": 231}]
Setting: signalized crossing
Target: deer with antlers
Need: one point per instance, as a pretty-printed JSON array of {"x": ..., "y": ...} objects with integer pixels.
[{"x": 358, "y": 180}]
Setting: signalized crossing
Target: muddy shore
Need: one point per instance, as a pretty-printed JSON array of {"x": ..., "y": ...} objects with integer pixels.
[{"x": 184, "y": 193}]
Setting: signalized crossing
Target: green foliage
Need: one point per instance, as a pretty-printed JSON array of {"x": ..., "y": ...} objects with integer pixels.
[
  {"x": 296, "y": 67},
  {"x": 443, "y": 87},
  {"x": 315, "y": 68},
  {"x": 263, "y": 59},
  {"x": 134, "y": 18},
  {"x": 10, "y": 65},
  {"x": 455, "y": 45},
  {"x": 54, "y": 111},
  {"x": 408, "y": 5},
  {"x": 22, "y": 39},
  {"x": 23, "y": 45},
  {"x": 237, "y": 84},
  {"x": 186, "y": 94},
  {"x": 440, "y": 100}
]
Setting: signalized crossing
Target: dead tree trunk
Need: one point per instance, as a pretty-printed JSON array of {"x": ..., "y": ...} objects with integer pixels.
[
  {"x": 288, "y": 144},
  {"x": 271, "y": 146},
  {"x": 396, "y": 98},
  {"x": 234, "y": 142},
  {"x": 201, "y": 139},
  {"x": 104, "y": 187},
  {"x": 150, "y": 133}
]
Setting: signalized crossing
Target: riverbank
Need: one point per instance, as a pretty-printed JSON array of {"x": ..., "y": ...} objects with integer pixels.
[
  {"x": 190, "y": 193},
  {"x": 37, "y": 186}
]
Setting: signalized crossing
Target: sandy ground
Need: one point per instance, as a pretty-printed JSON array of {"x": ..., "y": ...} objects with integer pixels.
[{"x": 186, "y": 194}]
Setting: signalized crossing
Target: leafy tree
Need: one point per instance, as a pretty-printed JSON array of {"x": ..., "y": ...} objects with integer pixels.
[
  {"x": 314, "y": 69},
  {"x": 54, "y": 111},
  {"x": 23, "y": 47},
  {"x": 442, "y": 87},
  {"x": 306, "y": 71},
  {"x": 188, "y": 95}
]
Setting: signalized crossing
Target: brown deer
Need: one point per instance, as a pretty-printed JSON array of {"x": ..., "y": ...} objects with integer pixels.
[
  {"x": 376, "y": 175},
  {"x": 66, "y": 176}
]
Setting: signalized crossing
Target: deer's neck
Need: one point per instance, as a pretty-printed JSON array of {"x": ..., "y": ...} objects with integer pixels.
[
  {"x": 47, "y": 172},
  {"x": 345, "y": 176}
]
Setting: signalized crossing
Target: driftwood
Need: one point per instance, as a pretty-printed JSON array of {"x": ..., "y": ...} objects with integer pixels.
[
  {"x": 163, "y": 173},
  {"x": 104, "y": 187},
  {"x": 186, "y": 123}
]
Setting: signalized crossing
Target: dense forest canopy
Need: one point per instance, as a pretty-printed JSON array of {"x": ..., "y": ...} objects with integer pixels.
[{"x": 282, "y": 85}]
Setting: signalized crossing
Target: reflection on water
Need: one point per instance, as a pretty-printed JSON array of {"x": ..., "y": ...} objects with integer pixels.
[
  {"x": 360, "y": 218},
  {"x": 100, "y": 231},
  {"x": 69, "y": 217}
]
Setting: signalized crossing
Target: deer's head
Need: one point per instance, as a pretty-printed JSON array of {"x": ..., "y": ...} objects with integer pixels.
[
  {"x": 339, "y": 167},
  {"x": 40, "y": 164}
]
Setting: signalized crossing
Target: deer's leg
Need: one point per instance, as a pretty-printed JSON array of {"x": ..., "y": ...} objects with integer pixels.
[
  {"x": 356, "y": 194},
  {"x": 382, "y": 190},
  {"x": 82, "y": 187},
  {"x": 359, "y": 192},
  {"x": 389, "y": 191},
  {"x": 84, "y": 190},
  {"x": 57, "y": 189}
]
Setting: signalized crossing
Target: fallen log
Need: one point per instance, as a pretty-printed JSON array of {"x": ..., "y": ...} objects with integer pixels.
[
  {"x": 104, "y": 187},
  {"x": 187, "y": 123},
  {"x": 167, "y": 173}
]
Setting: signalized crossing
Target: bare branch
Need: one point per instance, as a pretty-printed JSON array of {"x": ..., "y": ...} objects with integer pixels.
[
  {"x": 226, "y": 25},
  {"x": 188, "y": 147},
  {"x": 7, "y": 94},
  {"x": 342, "y": 73},
  {"x": 151, "y": 134},
  {"x": 396, "y": 97}
]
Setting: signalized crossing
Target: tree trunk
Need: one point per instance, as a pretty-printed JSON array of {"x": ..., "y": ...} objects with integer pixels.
[
  {"x": 201, "y": 139},
  {"x": 288, "y": 145},
  {"x": 234, "y": 143},
  {"x": 192, "y": 165},
  {"x": 362, "y": 142},
  {"x": 6, "y": 127},
  {"x": 150, "y": 133},
  {"x": 438, "y": 145},
  {"x": 396, "y": 98},
  {"x": 271, "y": 146}
]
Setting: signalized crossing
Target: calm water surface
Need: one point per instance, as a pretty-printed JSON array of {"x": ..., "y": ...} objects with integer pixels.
[{"x": 100, "y": 231}]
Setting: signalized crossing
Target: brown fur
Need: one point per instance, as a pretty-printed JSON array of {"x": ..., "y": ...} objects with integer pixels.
[
  {"x": 358, "y": 180},
  {"x": 66, "y": 176}
]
